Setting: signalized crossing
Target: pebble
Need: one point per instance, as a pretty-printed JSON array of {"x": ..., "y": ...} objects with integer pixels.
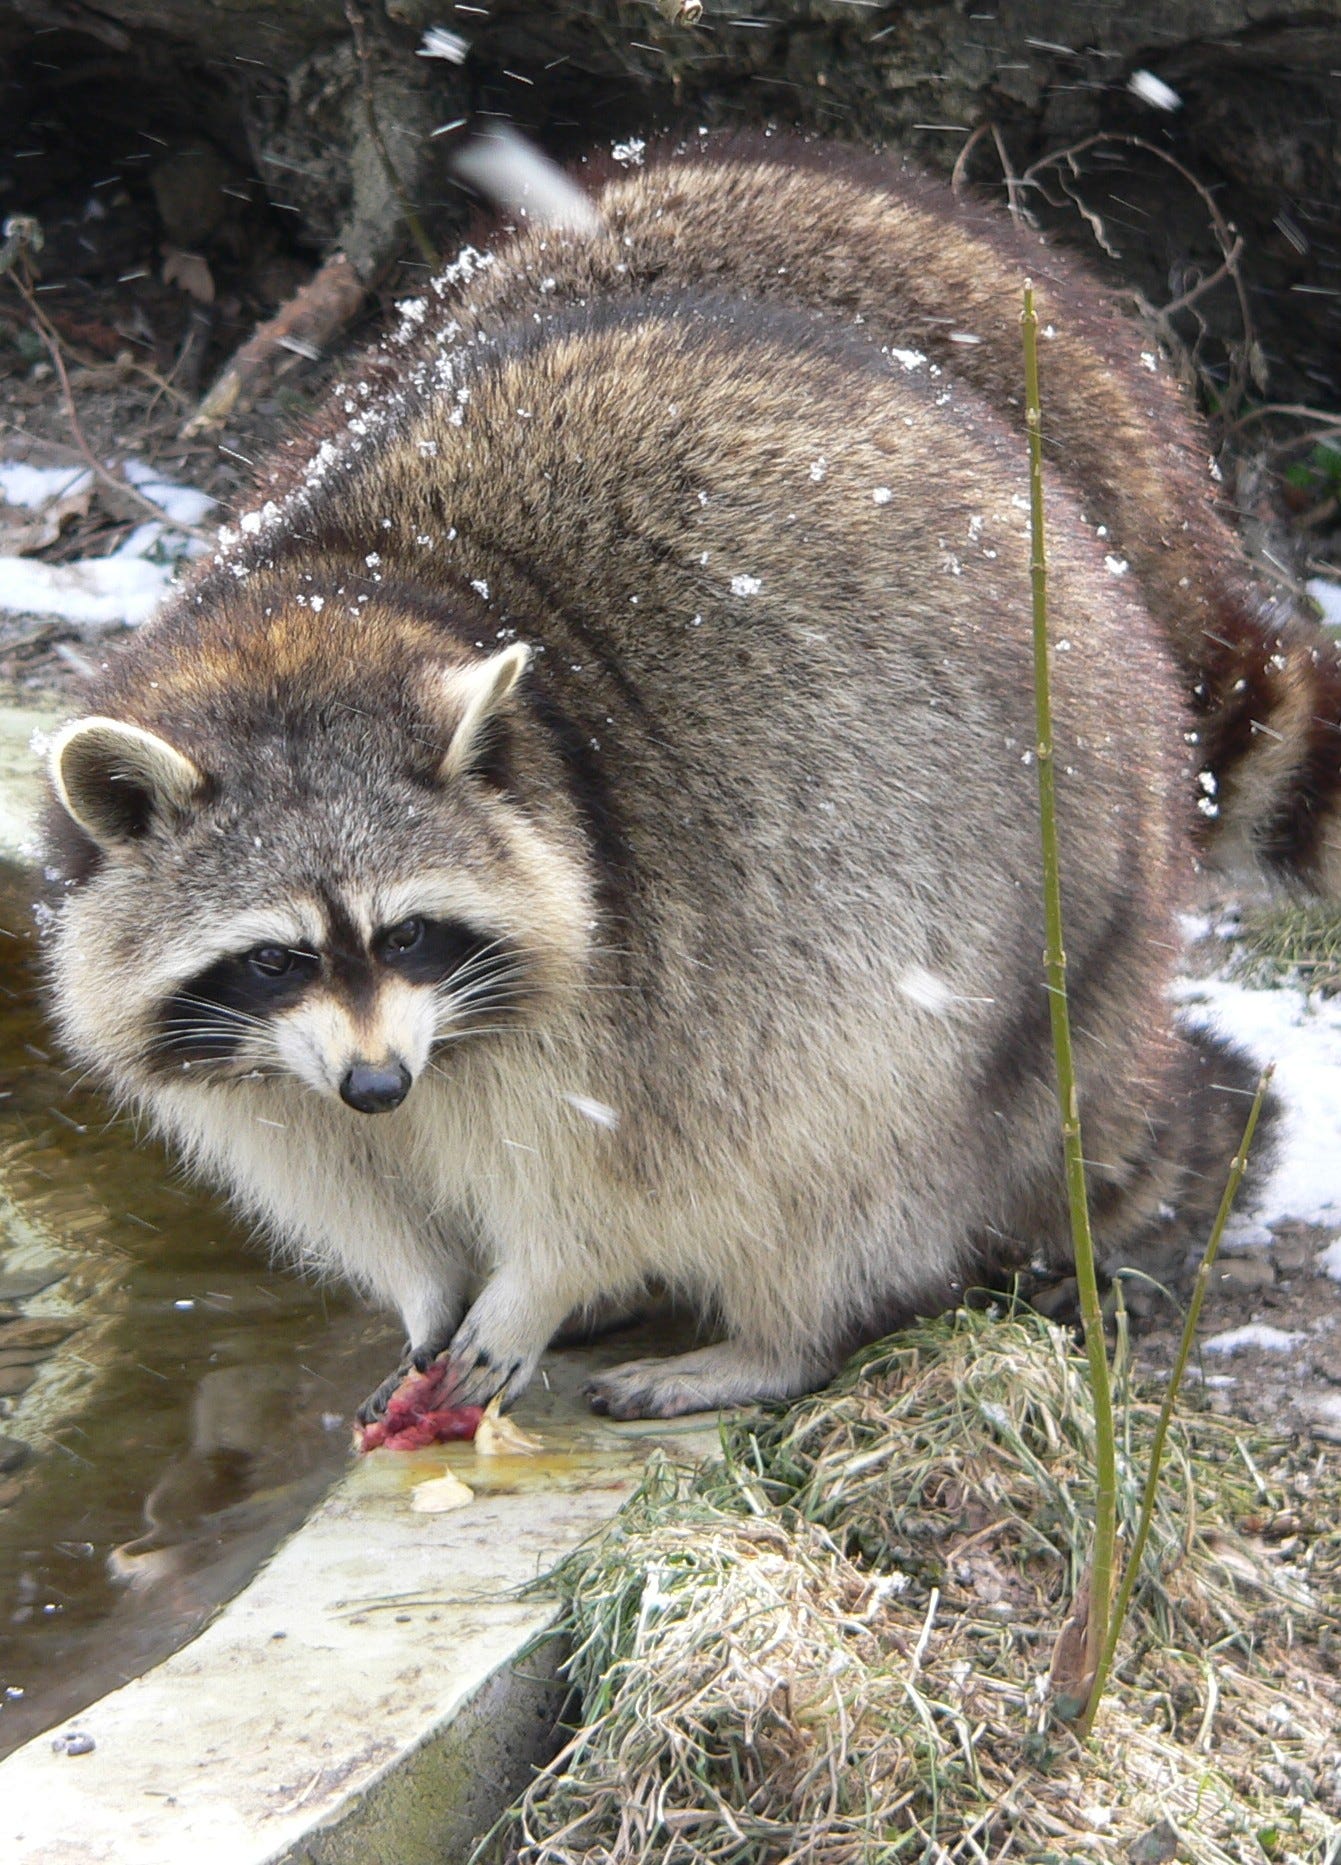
[
  {"x": 14, "y": 1454},
  {"x": 1293, "y": 1254},
  {"x": 16, "y": 1285},
  {"x": 73, "y": 1742},
  {"x": 15, "y": 1379},
  {"x": 40, "y": 1331},
  {"x": 1244, "y": 1272}
]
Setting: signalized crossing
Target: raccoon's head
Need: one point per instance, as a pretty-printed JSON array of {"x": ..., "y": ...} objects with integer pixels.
[{"x": 291, "y": 879}]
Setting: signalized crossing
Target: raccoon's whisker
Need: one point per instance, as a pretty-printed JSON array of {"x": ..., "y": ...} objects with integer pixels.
[
  {"x": 449, "y": 1001},
  {"x": 485, "y": 963},
  {"x": 486, "y": 991},
  {"x": 213, "y": 1008},
  {"x": 463, "y": 1036}
]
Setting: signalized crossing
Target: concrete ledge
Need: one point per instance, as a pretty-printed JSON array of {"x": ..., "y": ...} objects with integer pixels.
[{"x": 365, "y": 1698}]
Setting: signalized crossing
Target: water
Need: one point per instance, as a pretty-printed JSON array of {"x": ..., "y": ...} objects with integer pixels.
[{"x": 193, "y": 1412}]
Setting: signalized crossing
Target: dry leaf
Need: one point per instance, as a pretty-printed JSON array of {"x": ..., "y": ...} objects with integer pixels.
[
  {"x": 1071, "y": 1672},
  {"x": 24, "y": 529},
  {"x": 440, "y": 1494},
  {"x": 497, "y": 1436},
  {"x": 189, "y": 271}
]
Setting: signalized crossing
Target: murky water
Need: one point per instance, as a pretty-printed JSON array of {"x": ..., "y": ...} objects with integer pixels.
[{"x": 192, "y": 1409}]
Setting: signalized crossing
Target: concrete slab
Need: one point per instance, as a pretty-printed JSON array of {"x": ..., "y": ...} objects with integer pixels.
[{"x": 369, "y": 1696}]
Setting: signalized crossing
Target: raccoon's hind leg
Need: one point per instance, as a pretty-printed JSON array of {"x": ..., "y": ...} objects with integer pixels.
[
  {"x": 703, "y": 1381},
  {"x": 1157, "y": 1216}
]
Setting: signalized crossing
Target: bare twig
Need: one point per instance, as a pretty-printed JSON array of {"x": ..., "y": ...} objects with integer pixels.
[
  {"x": 1225, "y": 236},
  {"x": 104, "y": 474},
  {"x": 322, "y": 306}
]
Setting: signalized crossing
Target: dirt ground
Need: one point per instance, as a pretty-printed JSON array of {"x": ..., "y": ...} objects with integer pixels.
[{"x": 1297, "y": 1391}]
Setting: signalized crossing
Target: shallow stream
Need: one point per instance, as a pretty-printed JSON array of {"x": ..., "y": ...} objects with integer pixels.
[{"x": 169, "y": 1407}]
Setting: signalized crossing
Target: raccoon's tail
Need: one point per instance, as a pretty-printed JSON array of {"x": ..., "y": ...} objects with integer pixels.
[
  {"x": 1268, "y": 701},
  {"x": 1158, "y": 1219}
]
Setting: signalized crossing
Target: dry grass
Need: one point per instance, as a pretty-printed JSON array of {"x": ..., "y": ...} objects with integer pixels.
[
  {"x": 1299, "y": 943},
  {"x": 832, "y": 1644}
]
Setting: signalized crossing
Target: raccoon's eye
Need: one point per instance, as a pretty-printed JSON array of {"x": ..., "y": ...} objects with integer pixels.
[
  {"x": 272, "y": 961},
  {"x": 403, "y": 937}
]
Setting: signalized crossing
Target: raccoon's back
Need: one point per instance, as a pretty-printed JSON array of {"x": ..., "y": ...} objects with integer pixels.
[
  {"x": 802, "y": 688},
  {"x": 936, "y": 281}
]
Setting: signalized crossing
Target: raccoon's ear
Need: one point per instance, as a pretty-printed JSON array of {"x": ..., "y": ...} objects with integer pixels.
[
  {"x": 114, "y": 779},
  {"x": 473, "y": 697}
]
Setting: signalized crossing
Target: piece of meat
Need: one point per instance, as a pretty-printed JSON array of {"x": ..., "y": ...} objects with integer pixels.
[{"x": 412, "y": 1419}]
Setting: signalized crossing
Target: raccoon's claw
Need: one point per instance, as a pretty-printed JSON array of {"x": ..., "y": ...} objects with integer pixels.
[
  {"x": 413, "y": 1360},
  {"x": 474, "y": 1376},
  {"x": 379, "y": 1398}
]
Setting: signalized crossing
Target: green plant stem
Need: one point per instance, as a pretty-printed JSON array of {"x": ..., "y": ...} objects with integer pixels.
[
  {"x": 1105, "y": 1511},
  {"x": 1238, "y": 1167}
]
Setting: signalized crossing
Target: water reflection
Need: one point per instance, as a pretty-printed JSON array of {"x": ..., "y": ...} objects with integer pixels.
[{"x": 169, "y": 1408}]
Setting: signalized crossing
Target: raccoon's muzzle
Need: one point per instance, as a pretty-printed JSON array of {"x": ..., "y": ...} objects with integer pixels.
[{"x": 374, "y": 1088}]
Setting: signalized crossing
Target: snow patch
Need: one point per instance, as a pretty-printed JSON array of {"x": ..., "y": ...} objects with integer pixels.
[
  {"x": 101, "y": 592},
  {"x": 32, "y": 487},
  {"x": 1326, "y": 594},
  {"x": 1301, "y": 1034},
  {"x": 122, "y": 589},
  {"x": 1255, "y": 1334}
]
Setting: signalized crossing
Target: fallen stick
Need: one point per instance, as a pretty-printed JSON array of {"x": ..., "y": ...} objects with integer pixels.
[{"x": 302, "y": 327}]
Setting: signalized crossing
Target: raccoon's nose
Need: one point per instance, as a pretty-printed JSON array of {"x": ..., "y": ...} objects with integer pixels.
[{"x": 375, "y": 1088}]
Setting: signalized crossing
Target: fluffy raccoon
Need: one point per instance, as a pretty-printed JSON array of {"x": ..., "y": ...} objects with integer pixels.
[
  {"x": 933, "y": 280},
  {"x": 586, "y": 835}
]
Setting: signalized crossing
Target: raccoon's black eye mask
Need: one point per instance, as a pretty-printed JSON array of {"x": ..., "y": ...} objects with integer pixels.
[
  {"x": 425, "y": 951},
  {"x": 208, "y": 1018}
]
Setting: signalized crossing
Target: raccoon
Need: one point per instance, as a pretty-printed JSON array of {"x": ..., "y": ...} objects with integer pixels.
[
  {"x": 584, "y": 836},
  {"x": 931, "y": 279}
]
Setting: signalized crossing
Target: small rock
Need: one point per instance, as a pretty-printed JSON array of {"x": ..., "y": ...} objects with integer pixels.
[
  {"x": 16, "y": 1379},
  {"x": 188, "y": 189},
  {"x": 16, "y": 1285},
  {"x": 14, "y": 1453},
  {"x": 39, "y": 1331},
  {"x": 1155, "y": 1847},
  {"x": 1292, "y": 1254},
  {"x": 1059, "y": 1299},
  {"x": 73, "y": 1742},
  {"x": 1244, "y": 1272}
]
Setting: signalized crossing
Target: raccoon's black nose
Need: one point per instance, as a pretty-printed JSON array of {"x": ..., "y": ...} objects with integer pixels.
[{"x": 375, "y": 1088}]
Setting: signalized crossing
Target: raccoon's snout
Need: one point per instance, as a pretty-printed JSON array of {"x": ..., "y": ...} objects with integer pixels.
[{"x": 374, "y": 1088}]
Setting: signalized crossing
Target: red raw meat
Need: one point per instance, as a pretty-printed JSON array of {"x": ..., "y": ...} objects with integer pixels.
[{"x": 411, "y": 1419}]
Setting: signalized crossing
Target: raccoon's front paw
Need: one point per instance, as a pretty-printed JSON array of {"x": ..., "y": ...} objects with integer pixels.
[
  {"x": 413, "y": 1360},
  {"x": 478, "y": 1372},
  {"x": 703, "y": 1381}
]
